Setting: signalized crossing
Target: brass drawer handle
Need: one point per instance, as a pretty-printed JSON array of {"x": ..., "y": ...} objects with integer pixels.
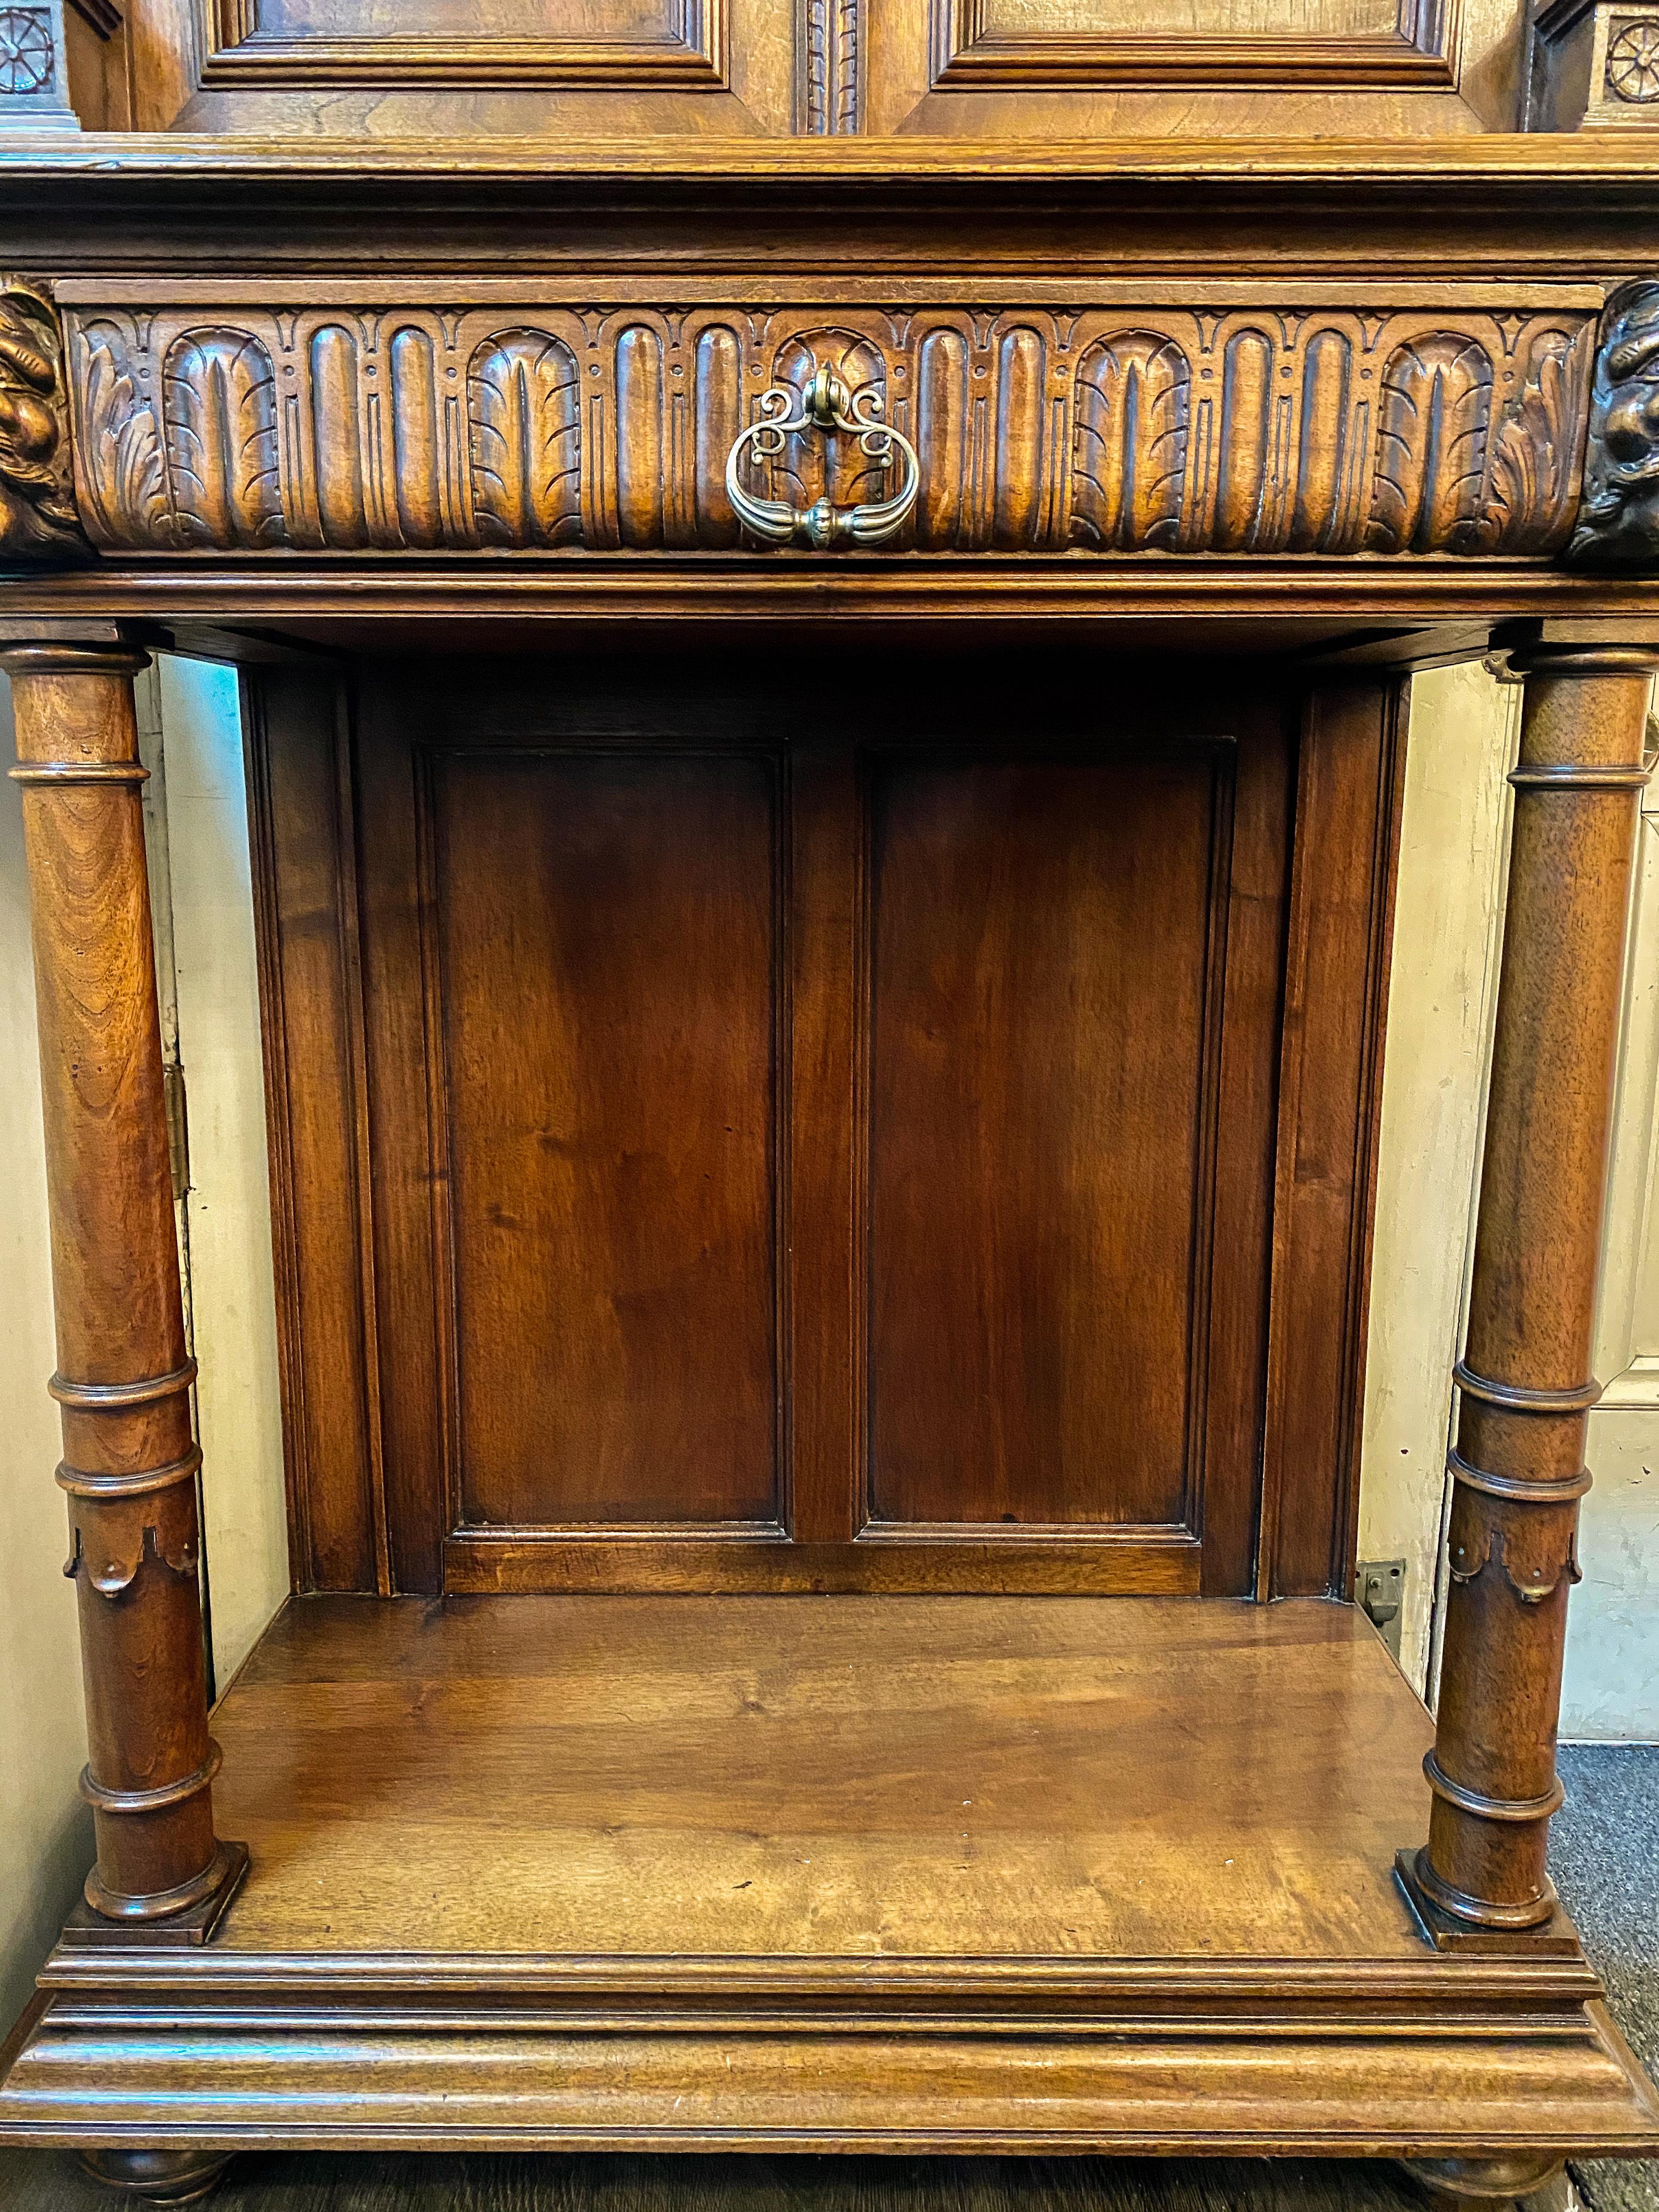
[{"x": 825, "y": 406}]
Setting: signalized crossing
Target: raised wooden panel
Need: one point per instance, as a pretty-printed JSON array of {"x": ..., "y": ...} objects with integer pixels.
[
  {"x": 443, "y": 43},
  {"x": 600, "y": 981},
  {"x": 1033, "y": 45},
  {"x": 1042, "y": 1089},
  {"x": 765, "y": 1192}
]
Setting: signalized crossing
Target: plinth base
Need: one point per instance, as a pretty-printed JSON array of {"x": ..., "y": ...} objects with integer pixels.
[{"x": 832, "y": 1873}]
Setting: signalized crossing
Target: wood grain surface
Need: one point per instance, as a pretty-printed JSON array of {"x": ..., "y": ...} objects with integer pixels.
[{"x": 823, "y": 1777}]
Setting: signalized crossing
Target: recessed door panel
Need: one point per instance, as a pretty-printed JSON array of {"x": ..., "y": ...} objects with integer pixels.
[
  {"x": 603, "y": 944},
  {"x": 785, "y": 1156},
  {"x": 1044, "y": 1004}
]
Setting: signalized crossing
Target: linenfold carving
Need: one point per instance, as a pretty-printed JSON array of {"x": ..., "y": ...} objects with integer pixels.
[
  {"x": 1619, "y": 520},
  {"x": 37, "y": 497},
  {"x": 1115, "y": 430}
]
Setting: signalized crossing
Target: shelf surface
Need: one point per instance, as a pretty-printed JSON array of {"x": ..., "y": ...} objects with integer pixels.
[{"x": 823, "y": 1777}]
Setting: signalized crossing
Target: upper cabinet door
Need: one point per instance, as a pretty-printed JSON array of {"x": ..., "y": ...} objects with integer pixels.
[
  {"x": 449, "y": 67},
  {"x": 1199, "y": 69},
  {"x": 1043, "y": 69}
]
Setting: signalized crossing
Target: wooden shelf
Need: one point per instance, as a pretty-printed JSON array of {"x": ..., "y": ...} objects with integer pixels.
[{"x": 671, "y": 1871}]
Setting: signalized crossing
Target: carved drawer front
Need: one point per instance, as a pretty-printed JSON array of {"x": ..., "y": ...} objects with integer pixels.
[{"x": 1107, "y": 430}]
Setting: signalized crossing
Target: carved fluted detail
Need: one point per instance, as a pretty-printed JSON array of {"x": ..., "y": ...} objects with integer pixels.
[{"x": 1328, "y": 431}]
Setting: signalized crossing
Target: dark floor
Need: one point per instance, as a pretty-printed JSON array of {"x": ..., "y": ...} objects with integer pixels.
[{"x": 1607, "y": 1865}]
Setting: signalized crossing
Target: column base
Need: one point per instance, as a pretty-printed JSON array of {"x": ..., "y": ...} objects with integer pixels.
[
  {"x": 1550, "y": 1938},
  {"x": 90, "y": 1928},
  {"x": 158, "y": 2177}
]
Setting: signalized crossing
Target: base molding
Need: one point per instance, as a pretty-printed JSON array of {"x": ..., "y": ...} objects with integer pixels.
[{"x": 180, "y": 2068}]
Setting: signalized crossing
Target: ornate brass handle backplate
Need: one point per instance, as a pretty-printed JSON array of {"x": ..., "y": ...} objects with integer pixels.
[{"x": 825, "y": 406}]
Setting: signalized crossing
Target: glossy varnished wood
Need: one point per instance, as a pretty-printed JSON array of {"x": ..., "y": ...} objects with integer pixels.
[
  {"x": 1525, "y": 1379},
  {"x": 823, "y": 1778},
  {"x": 129, "y": 1466},
  {"x": 869, "y": 1872}
]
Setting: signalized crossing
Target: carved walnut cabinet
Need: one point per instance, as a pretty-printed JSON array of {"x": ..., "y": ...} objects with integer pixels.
[{"x": 825, "y": 596}]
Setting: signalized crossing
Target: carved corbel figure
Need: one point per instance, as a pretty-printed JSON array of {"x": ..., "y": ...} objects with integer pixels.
[
  {"x": 37, "y": 492},
  {"x": 1619, "y": 518}
]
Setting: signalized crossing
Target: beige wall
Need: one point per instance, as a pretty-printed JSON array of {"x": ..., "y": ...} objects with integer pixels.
[{"x": 227, "y": 1215}]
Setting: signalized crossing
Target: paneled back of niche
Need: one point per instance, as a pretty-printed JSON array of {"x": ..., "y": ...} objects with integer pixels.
[{"x": 1018, "y": 69}]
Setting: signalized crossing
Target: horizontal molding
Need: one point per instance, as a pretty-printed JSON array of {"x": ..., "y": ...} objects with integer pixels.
[
  {"x": 686, "y": 57},
  {"x": 1253, "y": 430},
  {"x": 1141, "y": 1566},
  {"x": 470, "y": 64},
  {"x": 1417, "y": 54},
  {"x": 1635, "y": 1391}
]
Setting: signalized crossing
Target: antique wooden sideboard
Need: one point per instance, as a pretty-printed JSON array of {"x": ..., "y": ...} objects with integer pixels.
[{"x": 826, "y": 609}]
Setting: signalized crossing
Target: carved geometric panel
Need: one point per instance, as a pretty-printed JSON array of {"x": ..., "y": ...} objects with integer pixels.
[
  {"x": 1043, "y": 45},
  {"x": 1112, "y": 429},
  {"x": 444, "y": 43}
]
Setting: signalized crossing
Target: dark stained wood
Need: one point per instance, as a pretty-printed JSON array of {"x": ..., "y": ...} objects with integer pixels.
[
  {"x": 457, "y": 1283},
  {"x": 303, "y": 839},
  {"x": 123, "y": 1377},
  {"x": 543, "y": 422},
  {"x": 1047, "y": 951},
  {"x": 1347, "y": 810},
  {"x": 1525, "y": 1380},
  {"x": 602, "y": 980}
]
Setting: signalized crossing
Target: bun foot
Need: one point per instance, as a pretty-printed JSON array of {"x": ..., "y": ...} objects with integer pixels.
[
  {"x": 1465, "y": 2184},
  {"x": 158, "y": 2177}
]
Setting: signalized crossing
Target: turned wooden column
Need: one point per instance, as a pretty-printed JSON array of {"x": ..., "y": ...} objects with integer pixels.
[
  {"x": 123, "y": 1377},
  {"x": 1518, "y": 1468}
]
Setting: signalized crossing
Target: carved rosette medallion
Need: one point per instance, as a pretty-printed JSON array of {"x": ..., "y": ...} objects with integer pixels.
[
  {"x": 37, "y": 497},
  {"x": 1633, "y": 62},
  {"x": 1619, "y": 520},
  {"x": 1102, "y": 430}
]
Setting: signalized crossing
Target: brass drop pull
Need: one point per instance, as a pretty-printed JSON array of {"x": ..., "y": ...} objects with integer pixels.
[{"x": 826, "y": 405}]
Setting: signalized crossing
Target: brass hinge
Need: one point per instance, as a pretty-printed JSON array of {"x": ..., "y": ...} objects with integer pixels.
[{"x": 172, "y": 1103}]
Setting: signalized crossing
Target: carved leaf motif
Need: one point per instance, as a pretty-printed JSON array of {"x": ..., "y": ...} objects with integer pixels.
[
  {"x": 124, "y": 478},
  {"x": 524, "y": 421},
  {"x": 219, "y": 407},
  {"x": 1436, "y": 409},
  {"x": 1129, "y": 451},
  {"x": 1534, "y": 452}
]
